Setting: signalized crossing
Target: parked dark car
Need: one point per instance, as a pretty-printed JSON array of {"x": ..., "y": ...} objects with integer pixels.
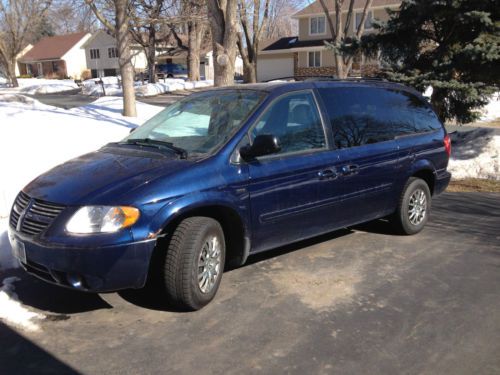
[
  {"x": 227, "y": 173},
  {"x": 172, "y": 70}
]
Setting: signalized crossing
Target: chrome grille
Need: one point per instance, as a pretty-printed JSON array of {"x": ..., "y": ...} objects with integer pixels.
[
  {"x": 19, "y": 206},
  {"x": 39, "y": 214}
]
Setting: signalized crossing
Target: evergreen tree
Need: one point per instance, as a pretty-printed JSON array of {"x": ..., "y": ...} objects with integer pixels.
[{"x": 452, "y": 45}]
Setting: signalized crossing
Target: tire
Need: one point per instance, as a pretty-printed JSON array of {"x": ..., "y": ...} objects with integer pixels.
[
  {"x": 414, "y": 207},
  {"x": 192, "y": 242}
]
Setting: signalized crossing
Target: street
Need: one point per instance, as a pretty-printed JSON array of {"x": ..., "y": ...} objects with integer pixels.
[{"x": 357, "y": 301}]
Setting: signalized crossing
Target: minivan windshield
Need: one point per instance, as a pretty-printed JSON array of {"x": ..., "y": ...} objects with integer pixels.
[{"x": 199, "y": 124}]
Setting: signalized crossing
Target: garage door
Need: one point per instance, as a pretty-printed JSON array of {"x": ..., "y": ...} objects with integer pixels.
[{"x": 273, "y": 68}]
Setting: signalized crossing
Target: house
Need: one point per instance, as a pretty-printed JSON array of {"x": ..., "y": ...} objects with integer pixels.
[
  {"x": 56, "y": 56},
  {"x": 19, "y": 55},
  {"x": 101, "y": 55},
  {"x": 306, "y": 54}
]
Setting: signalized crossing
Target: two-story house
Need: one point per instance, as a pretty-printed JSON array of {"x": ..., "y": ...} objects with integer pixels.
[{"x": 306, "y": 54}]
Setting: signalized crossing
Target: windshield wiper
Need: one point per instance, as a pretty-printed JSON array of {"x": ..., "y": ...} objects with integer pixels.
[{"x": 148, "y": 142}]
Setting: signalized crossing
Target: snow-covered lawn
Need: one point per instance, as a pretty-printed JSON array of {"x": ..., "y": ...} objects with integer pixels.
[
  {"x": 36, "y": 137},
  {"x": 113, "y": 87},
  {"x": 39, "y": 86}
]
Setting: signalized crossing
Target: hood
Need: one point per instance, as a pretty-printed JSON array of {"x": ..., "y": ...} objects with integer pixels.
[{"x": 102, "y": 177}]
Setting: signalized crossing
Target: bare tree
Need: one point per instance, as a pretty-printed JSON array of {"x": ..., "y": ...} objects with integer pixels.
[
  {"x": 147, "y": 29},
  {"x": 190, "y": 16},
  {"x": 18, "y": 20},
  {"x": 224, "y": 25},
  {"x": 69, "y": 16},
  {"x": 281, "y": 23},
  {"x": 339, "y": 32},
  {"x": 197, "y": 30},
  {"x": 120, "y": 29},
  {"x": 249, "y": 47}
]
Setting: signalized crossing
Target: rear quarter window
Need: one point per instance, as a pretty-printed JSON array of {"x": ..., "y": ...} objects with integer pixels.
[{"x": 365, "y": 115}]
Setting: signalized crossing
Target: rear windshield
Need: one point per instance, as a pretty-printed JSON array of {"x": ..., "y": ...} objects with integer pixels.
[{"x": 363, "y": 115}]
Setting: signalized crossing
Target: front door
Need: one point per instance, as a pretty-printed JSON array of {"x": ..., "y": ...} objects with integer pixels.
[{"x": 289, "y": 191}]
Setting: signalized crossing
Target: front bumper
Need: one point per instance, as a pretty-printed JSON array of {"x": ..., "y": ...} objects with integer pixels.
[{"x": 101, "y": 269}]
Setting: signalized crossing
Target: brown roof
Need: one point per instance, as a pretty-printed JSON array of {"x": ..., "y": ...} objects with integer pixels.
[
  {"x": 52, "y": 47},
  {"x": 316, "y": 8}
]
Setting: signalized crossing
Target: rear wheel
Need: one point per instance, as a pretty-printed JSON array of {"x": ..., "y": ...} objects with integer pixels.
[
  {"x": 413, "y": 207},
  {"x": 194, "y": 262}
]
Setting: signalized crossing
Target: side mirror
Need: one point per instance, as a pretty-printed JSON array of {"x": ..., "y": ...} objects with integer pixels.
[{"x": 264, "y": 144}]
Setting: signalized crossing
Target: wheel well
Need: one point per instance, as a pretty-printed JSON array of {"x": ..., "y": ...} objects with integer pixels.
[
  {"x": 232, "y": 225},
  {"x": 428, "y": 177}
]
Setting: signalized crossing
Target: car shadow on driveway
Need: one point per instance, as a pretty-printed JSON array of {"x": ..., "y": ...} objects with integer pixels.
[{"x": 53, "y": 299}]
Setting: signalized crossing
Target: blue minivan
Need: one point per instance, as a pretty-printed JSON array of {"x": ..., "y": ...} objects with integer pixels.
[{"x": 227, "y": 173}]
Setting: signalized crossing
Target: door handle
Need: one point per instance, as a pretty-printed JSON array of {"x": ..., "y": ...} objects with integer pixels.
[
  {"x": 327, "y": 174},
  {"x": 350, "y": 169}
]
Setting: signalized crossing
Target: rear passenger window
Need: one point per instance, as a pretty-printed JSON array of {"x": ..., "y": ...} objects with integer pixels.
[
  {"x": 295, "y": 120},
  {"x": 365, "y": 115},
  {"x": 424, "y": 117}
]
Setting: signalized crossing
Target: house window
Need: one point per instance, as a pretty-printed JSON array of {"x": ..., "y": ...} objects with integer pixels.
[
  {"x": 112, "y": 53},
  {"x": 94, "y": 54},
  {"x": 317, "y": 25},
  {"x": 368, "y": 22},
  {"x": 314, "y": 59},
  {"x": 109, "y": 72}
]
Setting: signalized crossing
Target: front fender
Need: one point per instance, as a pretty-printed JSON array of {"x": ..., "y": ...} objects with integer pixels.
[{"x": 237, "y": 202}]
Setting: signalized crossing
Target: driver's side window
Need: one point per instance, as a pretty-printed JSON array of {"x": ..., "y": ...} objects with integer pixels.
[{"x": 295, "y": 120}]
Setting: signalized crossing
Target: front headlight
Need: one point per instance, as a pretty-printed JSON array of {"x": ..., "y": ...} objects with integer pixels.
[{"x": 102, "y": 219}]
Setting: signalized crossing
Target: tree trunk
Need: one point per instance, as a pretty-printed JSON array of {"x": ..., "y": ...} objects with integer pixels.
[
  {"x": 125, "y": 58},
  {"x": 12, "y": 73},
  {"x": 151, "y": 63},
  {"x": 250, "y": 72},
  {"x": 438, "y": 99},
  {"x": 224, "y": 37},
  {"x": 193, "y": 58}
]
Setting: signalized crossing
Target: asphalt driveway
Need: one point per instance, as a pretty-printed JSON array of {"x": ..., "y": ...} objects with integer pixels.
[{"x": 358, "y": 301}]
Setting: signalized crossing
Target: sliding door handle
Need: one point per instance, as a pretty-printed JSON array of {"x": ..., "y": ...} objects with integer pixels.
[
  {"x": 350, "y": 169},
  {"x": 327, "y": 174}
]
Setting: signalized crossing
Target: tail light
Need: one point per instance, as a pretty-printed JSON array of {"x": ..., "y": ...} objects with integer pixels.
[{"x": 447, "y": 144}]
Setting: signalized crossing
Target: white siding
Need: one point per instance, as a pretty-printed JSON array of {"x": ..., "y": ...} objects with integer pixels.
[
  {"x": 75, "y": 59},
  {"x": 103, "y": 41}
]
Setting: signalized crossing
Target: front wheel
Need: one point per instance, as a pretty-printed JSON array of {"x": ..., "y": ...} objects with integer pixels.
[
  {"x": 413, "y": 207},
  {"x": 194, "y": 262}
]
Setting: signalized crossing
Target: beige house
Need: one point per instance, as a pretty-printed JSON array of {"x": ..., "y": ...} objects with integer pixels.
[
  {"x": 101, "y": 55},
  {"x": 55, "y": 57},
  {"x": 305, "y": 54}
]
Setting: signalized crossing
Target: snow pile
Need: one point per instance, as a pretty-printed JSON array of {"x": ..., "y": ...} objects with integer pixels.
[
  {"x": 113, "y": 87},
  {"x": 36, "y": 137},
  {"x": 42, "y": 86},
  {"x": 475, "y": 154},
  {"x": 491, "y": 111},
  {"x": 7, "y": 261},
  {"x": 11, "y": 310}
]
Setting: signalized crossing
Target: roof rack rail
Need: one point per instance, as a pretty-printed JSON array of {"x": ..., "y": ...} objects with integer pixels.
[{"x": 329, "y": 78}]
